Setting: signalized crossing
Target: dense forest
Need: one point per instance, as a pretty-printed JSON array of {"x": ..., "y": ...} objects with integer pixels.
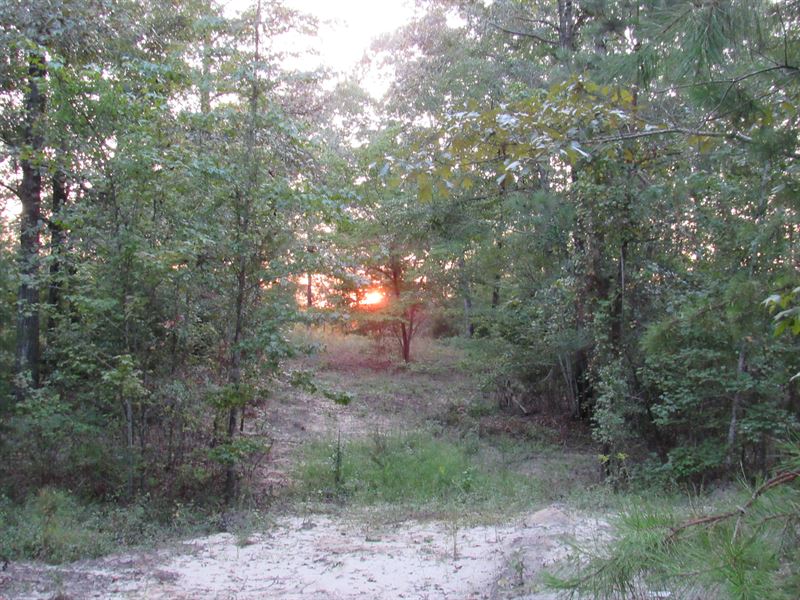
[{"x": 600, "y": 198}]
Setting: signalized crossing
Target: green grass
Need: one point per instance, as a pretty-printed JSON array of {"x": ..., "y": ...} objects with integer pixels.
[
  {"x": 415, "y": 470},
  {"x": 56, "y": 527}
]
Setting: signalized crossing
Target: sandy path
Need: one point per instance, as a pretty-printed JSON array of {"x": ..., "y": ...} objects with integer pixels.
[{"x": 324, "y": 558}]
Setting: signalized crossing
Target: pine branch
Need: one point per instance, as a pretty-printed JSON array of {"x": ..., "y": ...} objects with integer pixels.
[
  {"x": 545, "y": 22},
  {"x": 527, "y": 34},
  {"x": 731, "y": 81},
  {"x": 776, "y": 481},
  {"x": 675, "y": 21},
  {"x": 734, "y": 135},
  {"x": 385, "y": 272}
]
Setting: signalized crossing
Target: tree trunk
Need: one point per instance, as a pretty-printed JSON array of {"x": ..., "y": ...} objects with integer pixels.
[
  {"x": 497, "y": 277},
  {"x": 735, "y": 408},
  {"x": 406, "y": 342},
  {"x": 496, "y": 291},
  {"x": 235, "y": 379},
  {"x": 244, "y": 205},
  {"x": 469, "y": 327},
  {"x": 499, "y": 232},
  {"x": 618, "y": 304},
  {"x": 205, "y": 82},
  {"x": 566, "y": 25},
  {"x": 30, "y": 194},
  {"x": 57, "y": 241},
  {"x": 407, "y": 325},
  {"x": 741, "y": 365},
  {"x": 128, "y": 408}
]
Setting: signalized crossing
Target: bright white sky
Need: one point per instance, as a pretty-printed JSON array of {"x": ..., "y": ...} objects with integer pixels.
[{"x": 347, "y": 28}]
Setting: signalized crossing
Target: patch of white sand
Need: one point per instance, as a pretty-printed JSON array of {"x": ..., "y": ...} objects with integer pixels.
[{"x": 326, "y": 558}]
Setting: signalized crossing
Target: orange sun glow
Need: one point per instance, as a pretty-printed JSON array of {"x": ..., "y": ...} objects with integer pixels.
[{"x": 372, "y": 297}]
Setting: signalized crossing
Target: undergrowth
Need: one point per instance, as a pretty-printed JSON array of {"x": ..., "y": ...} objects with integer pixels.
[
  {"x": 411, "y": 470},
  {"x": 55, "y": 526},
  {"x": 742, "y": 545}
]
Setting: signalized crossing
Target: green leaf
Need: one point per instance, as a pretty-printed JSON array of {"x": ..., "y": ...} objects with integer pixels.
[{"x": 425, "y": 188}]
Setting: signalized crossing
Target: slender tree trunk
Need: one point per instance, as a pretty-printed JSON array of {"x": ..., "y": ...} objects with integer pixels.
[
  {"x": 310, "y": 249},
  {"x": 618, "y": 304},
  {"x": 127, "y": 404},
  {"x": 500, "y": 230},
  {"x": 57, "y": 242},
  {"x": 469, "y": 327},
  {"x": 235, "y": 376},
  {"x": 580, "y": 298},
  {"x": 205, "y": 83},
  {"x": 30, "y": 194},
  {"x": 573, "y": 398},
  {"x": 741, "y": 364},
  {"x": 497, "y": 277},
  {"x": 245, "y": 202},
  {"x": 406, "y": 342},
  {"x": 407, "y": 324},
  {"x": 735, "y": 409}
]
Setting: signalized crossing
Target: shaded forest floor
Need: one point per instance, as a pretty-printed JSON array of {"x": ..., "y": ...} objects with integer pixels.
[{"x": 488, "y": 501}]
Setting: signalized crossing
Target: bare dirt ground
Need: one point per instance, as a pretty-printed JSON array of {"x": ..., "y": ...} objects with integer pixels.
[{"x": 345, "y": 554}]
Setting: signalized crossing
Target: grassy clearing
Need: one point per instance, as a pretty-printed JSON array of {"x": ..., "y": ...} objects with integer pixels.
[
  {"x": 413, "y": 471},
  {"x": 452, "y": 448}
]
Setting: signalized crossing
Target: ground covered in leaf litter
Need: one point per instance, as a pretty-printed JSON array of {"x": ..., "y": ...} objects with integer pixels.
[{"x": 338, "y": 556}]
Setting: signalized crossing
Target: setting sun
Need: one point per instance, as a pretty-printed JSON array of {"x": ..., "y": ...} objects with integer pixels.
[{"x": 372, "y": 297}]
